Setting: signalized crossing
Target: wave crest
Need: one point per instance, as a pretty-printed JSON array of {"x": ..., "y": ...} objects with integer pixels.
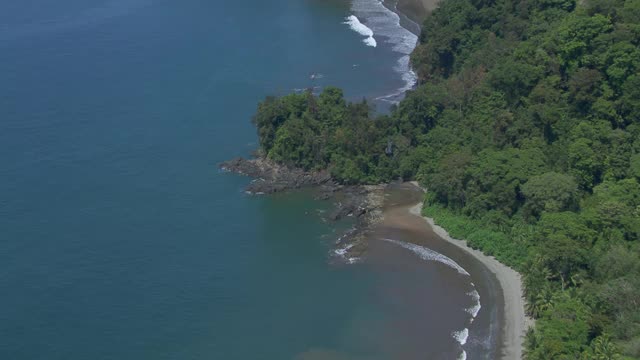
[
  {"x": 428, "y": 254},
  {"x": 461, "y": 336},
  {"x": 473, "y": 311},
  {"x": 362, "y": 29},
  {"x": 386, "y": 24}
]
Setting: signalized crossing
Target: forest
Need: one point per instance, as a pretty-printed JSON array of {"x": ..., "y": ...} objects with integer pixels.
[{"x": 525, "y": 129}]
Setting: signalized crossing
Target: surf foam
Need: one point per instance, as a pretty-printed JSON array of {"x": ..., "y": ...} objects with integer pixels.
[
  {"x": 409, "y": 77},
  {"x": 343, "y": 253},
  {"x": 461, "y": 336},
  {"x": 430, "y": 255},
  {"x": 355, "y": 25},
  {"x": 473, "y": 311},
  {"x": 386, "y": 23}
]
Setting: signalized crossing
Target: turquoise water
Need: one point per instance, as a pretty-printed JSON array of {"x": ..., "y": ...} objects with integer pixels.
[{"x": 119, "y": 237}]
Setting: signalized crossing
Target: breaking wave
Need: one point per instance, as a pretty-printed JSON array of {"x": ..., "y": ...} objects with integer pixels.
[
  {"x": 343, "y": 251},
  {"x": 355, "y": 25},
  {"x": 428, "y": 254},
  {"x": 461, "y": 336},
  {"x": 473, "y": 311},
  {"x": 386, "y": 24},
  {"x": 408, "y": 76}
]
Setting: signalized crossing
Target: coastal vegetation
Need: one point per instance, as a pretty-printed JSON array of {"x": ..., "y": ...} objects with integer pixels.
[{"x": 524, "y": 128}]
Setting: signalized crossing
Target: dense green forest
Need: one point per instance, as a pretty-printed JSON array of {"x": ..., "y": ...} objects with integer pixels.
[{"x": 525, "y": 130}]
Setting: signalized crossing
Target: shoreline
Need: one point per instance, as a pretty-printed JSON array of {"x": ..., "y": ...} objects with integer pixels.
[
  {"x": 416, "y": 10},
  {"x": 515, "y": 322},
  {"x": 508, "y": 295},
  {"x": 407, "y": 20},
  {"x": 503, "y": 285}
]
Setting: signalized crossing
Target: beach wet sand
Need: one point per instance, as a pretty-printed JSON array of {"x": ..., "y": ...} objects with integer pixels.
[
  {"x": 417, "y": 10},
  {"x": 429, "y": 300},
  {"x": 440, "y": 258}
]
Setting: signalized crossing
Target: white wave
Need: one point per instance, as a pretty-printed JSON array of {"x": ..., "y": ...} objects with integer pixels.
[
  {"x": 362, "y": 29},
  {"x": 428, "y": 254},
  {"x": 343, "y": 251},
  {"x": 463, "y": 355},
  {"x": 474, "y": 295},
  {"x": 473, "y": 311},
  {"x": 409, "y": 77},
  {"x": 461, "y": 336},
  {"x": 370, "y": 41},
  {"x": 386, "y": 24}
]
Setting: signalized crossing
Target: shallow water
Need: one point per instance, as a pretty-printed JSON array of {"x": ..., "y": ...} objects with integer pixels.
[
  {"x": 121, "y": 239},
  {"x": 469, "y": 294}
]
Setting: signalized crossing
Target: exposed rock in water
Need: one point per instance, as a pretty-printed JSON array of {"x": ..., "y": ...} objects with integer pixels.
[
  {"x": 365, "y": 204},
  {"x": 351, "y": 208},
  {"x": 270, "y": 177},
  {"x": 362, "y": 203}
]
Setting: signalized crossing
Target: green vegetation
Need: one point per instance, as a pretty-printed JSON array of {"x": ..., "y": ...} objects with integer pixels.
[
  {"x": 310, "y": 132},
  {"x": 525, "y": 129}
]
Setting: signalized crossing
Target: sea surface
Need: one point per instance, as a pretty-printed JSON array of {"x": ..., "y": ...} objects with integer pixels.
[{"x": 119, "y": 237}]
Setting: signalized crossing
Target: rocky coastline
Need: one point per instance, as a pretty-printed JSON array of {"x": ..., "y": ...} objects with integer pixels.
[
  {"x": 270, "y": 177},
  {"x": 363, "y": 203}
]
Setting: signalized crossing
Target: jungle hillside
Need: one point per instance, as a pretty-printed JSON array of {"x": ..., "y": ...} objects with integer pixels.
[{"x": 525, "y": 129}]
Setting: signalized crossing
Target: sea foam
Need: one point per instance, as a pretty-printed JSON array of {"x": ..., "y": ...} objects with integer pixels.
[
  {"x": 355, "y": 25},
  {"x": 343, "y": 253},
  {"x": 408, "y": 76},
  {"x": 430, "y": 255},
  {"x": 386, "y": 24},
  {"x": 461, "y": 336},
  {"x": 473, "y": 311}
]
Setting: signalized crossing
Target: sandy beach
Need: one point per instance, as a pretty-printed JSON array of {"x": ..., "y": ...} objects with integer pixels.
[
  {"x": 406, "y": 214},
  {"x": 515, "y": 320},
  {"x": 417, "y": 10}
]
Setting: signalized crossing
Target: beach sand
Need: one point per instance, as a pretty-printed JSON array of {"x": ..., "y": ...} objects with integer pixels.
[
  {"x": 406, "y": 214},
  {"x": 417, "y": 10}
]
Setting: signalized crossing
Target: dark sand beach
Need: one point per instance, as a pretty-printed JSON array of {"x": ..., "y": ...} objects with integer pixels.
[
  {"x": 498, "y": 329},
  {"x": 417, "y": 10}
]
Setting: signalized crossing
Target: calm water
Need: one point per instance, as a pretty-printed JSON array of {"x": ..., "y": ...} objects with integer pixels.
[{"x": 119, "y": 239}]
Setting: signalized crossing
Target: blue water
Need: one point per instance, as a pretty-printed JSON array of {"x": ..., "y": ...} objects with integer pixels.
[{"x": 119, "y": 238}]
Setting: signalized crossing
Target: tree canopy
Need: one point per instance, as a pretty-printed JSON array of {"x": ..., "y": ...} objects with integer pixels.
[{"x": 524, "y": 128}]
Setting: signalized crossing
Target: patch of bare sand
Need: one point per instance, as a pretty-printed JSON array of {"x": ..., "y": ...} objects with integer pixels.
[
  {"x": 417, "y": 10},
  {"x": 516, "y": 322}
]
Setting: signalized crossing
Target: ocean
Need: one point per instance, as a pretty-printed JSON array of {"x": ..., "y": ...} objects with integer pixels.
[{"x": 120, "y": 238}]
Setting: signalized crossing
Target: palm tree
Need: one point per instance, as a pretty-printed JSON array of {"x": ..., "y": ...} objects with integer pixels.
[
  {"x": 541, "y": 303},
  {"x": 602, "y": 349}
]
